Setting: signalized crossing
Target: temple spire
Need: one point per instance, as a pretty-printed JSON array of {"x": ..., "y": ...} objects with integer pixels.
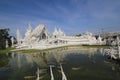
[
  {"x": 12, "y": 40},
  {"x": 30, "y": 27},
  {"x": 19, "y": 37}
]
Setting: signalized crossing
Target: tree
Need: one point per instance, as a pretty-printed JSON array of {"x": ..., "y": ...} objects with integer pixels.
[
  {"x": 78, "y": 35},
  {"x": 4, "y": 35}
]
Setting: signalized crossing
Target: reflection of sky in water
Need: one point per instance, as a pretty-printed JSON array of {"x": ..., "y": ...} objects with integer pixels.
[{"x": 78, "y": 63}]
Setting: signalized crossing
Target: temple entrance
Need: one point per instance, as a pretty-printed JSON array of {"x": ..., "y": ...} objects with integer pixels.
[{"x": 44, "y": 36}]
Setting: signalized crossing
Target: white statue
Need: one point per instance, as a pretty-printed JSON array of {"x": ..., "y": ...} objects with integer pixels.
[
  {"x": 6, "y": 43},
  {"x": 99, "y": 40},
  {"x": 19, "y": 37}
]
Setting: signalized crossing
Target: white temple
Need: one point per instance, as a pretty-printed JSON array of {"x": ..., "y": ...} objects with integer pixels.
[
  {"x": 40, "y": 38},
  {"x": 36, "y": 35}
]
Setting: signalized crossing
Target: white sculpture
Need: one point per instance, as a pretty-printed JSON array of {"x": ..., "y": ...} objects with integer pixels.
[
  {"x": 19, "y": 37},
  {"x": 114, "y": 52},
  {"x": 6, "y": 43},
  {"x": 118, "y": 44},
  {"x": 99, "y": 40}
]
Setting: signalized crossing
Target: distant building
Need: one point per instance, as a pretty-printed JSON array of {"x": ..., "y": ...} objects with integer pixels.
[{"x": 109, "y": 37}]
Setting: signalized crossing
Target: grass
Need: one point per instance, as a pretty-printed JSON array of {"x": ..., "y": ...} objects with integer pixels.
[
  {"x": 37, "y": 50},
  {"x": 27, "y": 51},
  {"x": 96, "y": 46},
  {"x": 6, "y": 50}
]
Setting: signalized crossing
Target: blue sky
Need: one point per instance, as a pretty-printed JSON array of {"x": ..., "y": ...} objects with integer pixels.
[{"x": 72, "y": 16}]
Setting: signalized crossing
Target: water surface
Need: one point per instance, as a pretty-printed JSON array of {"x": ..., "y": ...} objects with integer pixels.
[{"x": 78, "y": 64}]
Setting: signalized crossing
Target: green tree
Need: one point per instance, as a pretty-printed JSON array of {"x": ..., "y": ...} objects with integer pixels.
[
  {"x": 78, "y": 35},
  {"x": 4, "y": 35}
]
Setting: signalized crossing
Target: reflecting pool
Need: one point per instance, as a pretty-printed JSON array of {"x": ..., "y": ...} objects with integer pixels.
[{"x": 78, "y": 63}]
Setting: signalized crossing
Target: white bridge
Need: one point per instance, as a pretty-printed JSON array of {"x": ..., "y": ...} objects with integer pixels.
[
  {"x": 62, "y": 72},
  {"x": 51, "y": 73}
]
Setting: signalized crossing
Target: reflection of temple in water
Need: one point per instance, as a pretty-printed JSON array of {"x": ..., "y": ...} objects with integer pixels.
[{"x": 43, "y": 59}]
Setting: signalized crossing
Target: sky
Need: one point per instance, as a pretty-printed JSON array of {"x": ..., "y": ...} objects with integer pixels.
[{"x": 72, "y": 16}]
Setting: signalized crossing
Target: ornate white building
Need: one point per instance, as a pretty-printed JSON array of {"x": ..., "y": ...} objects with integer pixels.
[
  {"x": 36, "y": 35},
  {"x": 40, "y": 38},
  {"x": 87, "y": 38}
]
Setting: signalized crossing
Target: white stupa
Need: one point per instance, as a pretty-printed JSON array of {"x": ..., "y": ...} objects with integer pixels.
[{"x": 99, "y": 40}]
